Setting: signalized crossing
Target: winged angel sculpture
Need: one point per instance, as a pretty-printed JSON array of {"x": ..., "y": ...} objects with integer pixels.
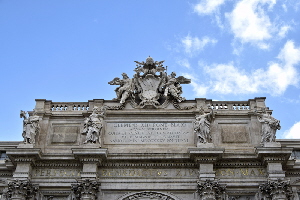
[{"x": 150, "y": 85}]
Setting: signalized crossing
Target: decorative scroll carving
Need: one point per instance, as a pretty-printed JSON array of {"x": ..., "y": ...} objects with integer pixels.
[
  {"x": 93, "y": 125},
  {"x": 177, "y": 106},
  {"x": 21, "y": 189},
  {"x": 269, "y": 126},
  {"x": 31, "y": 127},
  {"x": 151, "y": 86},
  {"x": 211, "y": 190},
  {"x": 277, "y": 189},
  {"x": 202, "y": 126},
  {"x": 86, "y": 189},
  {"x": 149, "y": 195}
]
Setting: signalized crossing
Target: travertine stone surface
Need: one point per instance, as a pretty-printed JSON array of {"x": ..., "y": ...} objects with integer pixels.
[{"x": 150, "y": 143}]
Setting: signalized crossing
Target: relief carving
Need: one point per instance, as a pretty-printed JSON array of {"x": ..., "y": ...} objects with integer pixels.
[
  {"x": 31, "y": 127},
  {"x": 149, "y": 195},
  {"x": 150, "y": 87},
  {"x": 202, "y": 126},
  {"x": 93, "y": 125}
]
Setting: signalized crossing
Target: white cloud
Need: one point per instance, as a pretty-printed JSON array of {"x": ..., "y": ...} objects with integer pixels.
[
  {"x": 293, "y": 132},
  {"x": 283, "y": 31},
  {"x": 207, "y": 7},
  {"x": 229, "y": 79},
  {"x": 200, "y": 89},
  {"x": 284, "y": 7},
  {"x": 184, "y": 62},
  {"x": 194, "y": 44},
  {"x": 250, "y": 23}
]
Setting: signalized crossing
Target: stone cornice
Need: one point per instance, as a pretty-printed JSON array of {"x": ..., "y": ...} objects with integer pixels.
[
  {"x": 274, "y": 154},
  {"x": 24, "y": 154},
  {"x": 90, "y": 155},
  {"x": 205, "y": 155}
]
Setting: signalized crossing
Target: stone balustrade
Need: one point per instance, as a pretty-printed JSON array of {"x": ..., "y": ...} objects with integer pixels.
[{"x": 69, "y": 106}]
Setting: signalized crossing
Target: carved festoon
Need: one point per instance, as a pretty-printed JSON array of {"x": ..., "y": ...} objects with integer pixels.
[
  {"x": 150, "y": 86},
  {"x": 93, "y": 125},
  {"x": 86, "y": 189},
  {"x": 276, "y": 189},
  {"x": 202, "y": 126},
  {"x": 31, "y": 127},
  {"x": 21, "y": 189},
  {"x": 269, "y": 126},
  {"x": 211, "y": 190}
]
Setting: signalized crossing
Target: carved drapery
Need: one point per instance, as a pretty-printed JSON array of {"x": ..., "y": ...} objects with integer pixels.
[
  {"x": 276, "y": 190},
  {"x": 211, "y": 190},
  {"x": 86, "y": 189},
  {"x": 21, "y": 189}
]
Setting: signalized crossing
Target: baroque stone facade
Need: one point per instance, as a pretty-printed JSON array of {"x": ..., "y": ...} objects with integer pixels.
[{"x": 150, "y": 143}]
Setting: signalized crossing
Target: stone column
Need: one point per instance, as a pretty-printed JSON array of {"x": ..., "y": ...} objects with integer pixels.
[
  {"x": 277, "y": 186},
  {"x": 88, "y": 186},
  {"x": 274, "y": 158},
  {"x": 23, "y": 158},
  {"x": 206, "y": 158}
]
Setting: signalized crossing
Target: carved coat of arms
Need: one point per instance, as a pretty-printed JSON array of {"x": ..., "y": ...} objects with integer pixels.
[{"x": 150, "y": 87}]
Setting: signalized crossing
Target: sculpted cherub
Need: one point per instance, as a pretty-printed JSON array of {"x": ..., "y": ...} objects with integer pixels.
[{"x": 125, "y": 89}]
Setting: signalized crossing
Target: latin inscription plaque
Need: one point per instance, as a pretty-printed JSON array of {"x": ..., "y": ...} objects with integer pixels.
[{"x": 149, "y": 133}]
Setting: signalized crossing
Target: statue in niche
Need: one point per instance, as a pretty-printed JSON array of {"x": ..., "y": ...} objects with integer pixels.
[
  {"x": 202, "y": 126},
  {"x": 173, "y": 87},
  {"x": 31, "y": 127},
  {"x": 93, "y": 125},
  {"x": 125, "y": 89},
  {"x": 269, "y": 126}
]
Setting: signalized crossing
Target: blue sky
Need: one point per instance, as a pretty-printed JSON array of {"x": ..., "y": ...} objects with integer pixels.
[{"x": 63, "y": 50}]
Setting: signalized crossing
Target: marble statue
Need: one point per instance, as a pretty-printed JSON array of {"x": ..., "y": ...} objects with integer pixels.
[
  {"x": 150, "y": 86},
  {"x": 31, "y": 127},
  {"x": 173, "y": 87},
  {"x": 269, "y": 126},
  {"x": 202, "y": 126},
  {"x": 125, "y": 89},
  {"x": 93, "y": 125}
]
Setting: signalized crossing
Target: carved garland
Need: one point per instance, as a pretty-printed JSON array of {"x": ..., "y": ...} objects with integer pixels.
[{"x": 178, "y": 107}]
